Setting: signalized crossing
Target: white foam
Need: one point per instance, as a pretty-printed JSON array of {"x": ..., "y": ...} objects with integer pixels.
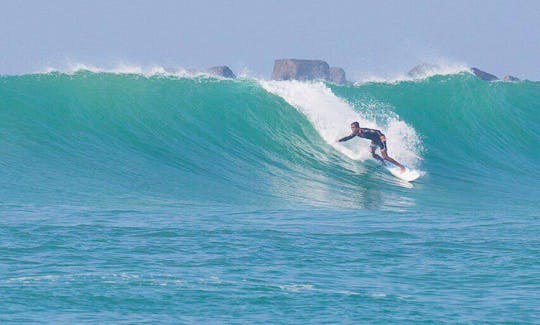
[
  {"x": 296, "y": 287},
  {"x": 331, "y": 116},
  {"x": 378, "y": 295}
]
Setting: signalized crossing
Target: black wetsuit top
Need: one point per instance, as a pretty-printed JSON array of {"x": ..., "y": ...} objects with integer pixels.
[{"x": 377, "y": 137}]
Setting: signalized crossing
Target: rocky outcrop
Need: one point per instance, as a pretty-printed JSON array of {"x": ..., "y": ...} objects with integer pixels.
[
  {"x": 510, "y": 78},
  {"x": 294, "y": 69},
  {"x": 422, "y": 70},
  {"x": 221, "y": 71},
  {"x": 483, "y": 75},
  {"x": 337, "y": 76}
]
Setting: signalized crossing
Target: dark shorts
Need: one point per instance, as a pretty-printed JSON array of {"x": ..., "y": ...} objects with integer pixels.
[{"x": 381, "y": 143}]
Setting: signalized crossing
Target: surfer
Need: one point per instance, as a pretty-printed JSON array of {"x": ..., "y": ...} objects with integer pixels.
[{"x": 377, "y": 140}]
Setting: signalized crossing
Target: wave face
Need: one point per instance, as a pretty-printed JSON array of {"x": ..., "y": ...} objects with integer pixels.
[{"x": 100, "y": 137}]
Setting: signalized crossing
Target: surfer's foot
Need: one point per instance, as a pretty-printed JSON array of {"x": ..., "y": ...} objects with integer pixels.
[{"x": 402, "y": 169}]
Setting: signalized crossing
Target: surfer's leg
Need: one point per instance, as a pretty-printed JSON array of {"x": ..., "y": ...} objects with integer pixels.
[
  {"x": 384, "y": 153},
  {"x": 374, "y": 155}
]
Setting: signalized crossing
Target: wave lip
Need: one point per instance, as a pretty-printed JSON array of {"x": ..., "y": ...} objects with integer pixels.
[
  {"x": 426, "y": 70},
  {"x": 419, "y": 72},
  {"x": 131, "y": 69}
]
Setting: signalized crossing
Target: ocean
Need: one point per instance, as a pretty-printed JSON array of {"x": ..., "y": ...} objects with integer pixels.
[{"x": 134, "y": 198}]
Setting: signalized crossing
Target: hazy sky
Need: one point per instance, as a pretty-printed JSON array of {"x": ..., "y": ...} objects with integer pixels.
[{"x": 365, "y": 38}]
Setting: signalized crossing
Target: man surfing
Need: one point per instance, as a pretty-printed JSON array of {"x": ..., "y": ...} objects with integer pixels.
[{"x": 377, "y": 140}]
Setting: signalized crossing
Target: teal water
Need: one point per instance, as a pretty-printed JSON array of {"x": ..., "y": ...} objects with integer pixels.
[{"x": 126, "y": 198}]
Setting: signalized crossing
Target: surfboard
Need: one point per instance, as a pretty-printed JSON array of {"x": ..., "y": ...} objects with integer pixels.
[{"x": 409, "y": 175}]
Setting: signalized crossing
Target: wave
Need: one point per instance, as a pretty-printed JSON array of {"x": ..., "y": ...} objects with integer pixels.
[{"x": 136, "y": 137}]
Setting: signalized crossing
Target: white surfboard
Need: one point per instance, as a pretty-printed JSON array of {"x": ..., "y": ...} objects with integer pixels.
[{"x": 409, "y": 175}]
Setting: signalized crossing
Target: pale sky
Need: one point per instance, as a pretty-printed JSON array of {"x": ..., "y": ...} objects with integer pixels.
[{"x": 364, "y": 37}]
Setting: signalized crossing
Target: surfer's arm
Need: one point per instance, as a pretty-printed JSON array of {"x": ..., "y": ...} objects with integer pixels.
[{"x": 347, "y": 138}]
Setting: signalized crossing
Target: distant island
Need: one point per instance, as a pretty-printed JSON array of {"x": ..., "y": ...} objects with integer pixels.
[
  {"x": 301, "y": 69},
  {"x": 294, "y": 69}
]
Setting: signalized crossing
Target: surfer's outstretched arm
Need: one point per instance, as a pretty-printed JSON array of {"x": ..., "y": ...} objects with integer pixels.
[{"x": 347, "y": 138}]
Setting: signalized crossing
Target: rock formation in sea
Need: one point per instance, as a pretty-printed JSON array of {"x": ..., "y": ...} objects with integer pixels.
[
  {"x": 337, "y": 76},
  {"x": 510, "y": 78},
  {"x": 294, "y": 69},
  {"x": 221, "y": 71},
  {"x": 483, "y": 75},
  {"x": 422, "y": 70}
]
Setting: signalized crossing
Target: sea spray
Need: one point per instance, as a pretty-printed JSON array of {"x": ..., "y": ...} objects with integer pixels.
[{"x": 331, "y": 116}]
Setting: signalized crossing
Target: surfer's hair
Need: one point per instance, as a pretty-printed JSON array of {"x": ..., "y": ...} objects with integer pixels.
[{"x": 356, "y": 124}]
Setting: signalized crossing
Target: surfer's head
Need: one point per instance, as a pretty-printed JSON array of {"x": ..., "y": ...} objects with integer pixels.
[{"x": 355, "y": 127}]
